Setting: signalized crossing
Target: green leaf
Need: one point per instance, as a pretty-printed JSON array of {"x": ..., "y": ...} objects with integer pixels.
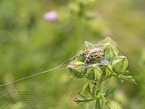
[
  {"x": 94, "y": 89},
  {"x": 109, "y": 91},
  {"x": 129, "y": 78},
  {"x": 82, "y": 95},
  {"x": 86, "y": 100},
  {"x": 85, "y": 86},
  {"x": 113, "y": 105},
  {"x": 89, "y": 90},
  {"x": 97, "y": 92},
  {"x": 126, "y": 72}
]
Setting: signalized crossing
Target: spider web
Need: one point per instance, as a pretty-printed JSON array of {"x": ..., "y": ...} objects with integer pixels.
[
  {"x": 21, "y": 94},
  {"x": 47, "y": 94}
]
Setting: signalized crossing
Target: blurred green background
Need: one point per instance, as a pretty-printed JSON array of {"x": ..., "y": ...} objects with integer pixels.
[{"x": 30, "y": 44}]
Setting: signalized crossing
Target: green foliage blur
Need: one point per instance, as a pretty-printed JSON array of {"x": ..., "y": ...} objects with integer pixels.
[{"x": 30, "y": 44}]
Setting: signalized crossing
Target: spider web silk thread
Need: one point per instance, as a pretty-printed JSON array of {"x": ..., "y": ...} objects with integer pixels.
[
  {"x": 65, "y": 63},
  {"x": 35, "y": 95}
]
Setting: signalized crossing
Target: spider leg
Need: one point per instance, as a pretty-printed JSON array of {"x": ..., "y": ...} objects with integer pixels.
[
  {"x": 100, "y": 56},
  {"x": 86, "y": 59},
  {"x": 86, "y": 53}
]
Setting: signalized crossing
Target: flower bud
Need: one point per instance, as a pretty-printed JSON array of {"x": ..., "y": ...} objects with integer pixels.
[
  {"x": 109, "y": 52},
  {"x": 71, "y": 67},
  {"x": 109, "y": 48},
  {"x": 108, "y": 70},
  {"x": 94, "y": 73},
  {"x": 119, "y": 64},
  {"x": 78, "y": 69}
]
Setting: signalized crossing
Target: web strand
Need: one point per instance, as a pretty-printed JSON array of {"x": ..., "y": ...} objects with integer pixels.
[
  {"x": 58, "y": 67},
  {"x": 29, "y": 76}
]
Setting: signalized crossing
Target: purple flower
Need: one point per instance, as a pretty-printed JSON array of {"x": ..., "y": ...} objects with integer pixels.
[
  {"x": 50, "y": 16},
  {"x": 70, "y": 67}
]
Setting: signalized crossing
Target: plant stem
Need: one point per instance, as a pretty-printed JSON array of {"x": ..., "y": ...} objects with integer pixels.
[
  {"x": 97, "y": 106},
  {"x": 85, "y": 86},
  {"x": 99, "y": 88},
  {"x": 78, "y": 32}
]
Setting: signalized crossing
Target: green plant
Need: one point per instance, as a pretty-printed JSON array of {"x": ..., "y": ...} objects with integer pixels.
[
  {"x": 97, "y": 63},
  {"x": 81, "y": 11}
]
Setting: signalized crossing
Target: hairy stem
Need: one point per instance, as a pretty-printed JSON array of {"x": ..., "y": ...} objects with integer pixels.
[
  {"x": 85, "y": 86},
  {"x": 99, "y": 86},
  {"x": 97, "y": 106},
  {"x": 99, "y": 89}
]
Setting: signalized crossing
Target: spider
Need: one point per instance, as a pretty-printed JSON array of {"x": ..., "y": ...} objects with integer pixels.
[{"x": 93, "y": 54}]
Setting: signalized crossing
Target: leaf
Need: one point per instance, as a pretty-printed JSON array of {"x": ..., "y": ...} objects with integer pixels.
[
  {"x": 82, "y": 95},
  {"x": 97, "y": 92},
  {"x": 86, "y": 100},
  {"x": 129, "y": 78},
  {"x": 94, "y": 89},
  {"x": 126, "y": 72},
  {"x": 85, "y": 86},
  {"x": 113, "y": 105},
  {"x": 109, "y": 91},
  {"x": 89, "y": 90}
]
